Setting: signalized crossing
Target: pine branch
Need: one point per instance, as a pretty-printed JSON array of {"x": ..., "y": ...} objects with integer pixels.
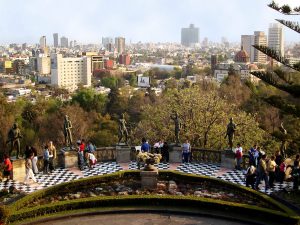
[
  {"x": 284, "y": 9},
  {"x": 274, "y": 55},
  {"x": 272, "y": 79},
  {"x": 291, "y": 24},
  {"x": 283, "y": 105}
]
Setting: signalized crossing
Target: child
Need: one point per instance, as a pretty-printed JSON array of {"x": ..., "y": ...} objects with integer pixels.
[{"x": 91, "y": 159}]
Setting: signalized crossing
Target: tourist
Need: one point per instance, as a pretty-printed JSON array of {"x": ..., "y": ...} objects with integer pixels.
[
  {"x": 157, "y": 147},
  {"x": 186, "y": 150},
  {"x": 260, "y": 154},
  {"x": 271, "y": 166},
  {"x": 46, "y": 159},
  {"x": 239, "y": 156},
  {"x": 52, "y": 156},
  {"x": 145, "y": 145},
  {"x": 7, "y": 168},
  {"x": 282, "y": 169},
  {"x": 90, "y": 147},
  {"x": 262, "y": 173},
  {"x": 251, "y": 153},
  {"x": 250, "y": 176},
  {"x": 91, "y": 159},
  {"x": 29, "y": 172},
  {"x": 81, "y": 147},
  {"x": 28, "y": 151},
  {"x": 165, "y": 152},
  {"x": 34, "y": 161},
  {"x": 296, "y": 174},
  {"x": 278, "y": 161}
]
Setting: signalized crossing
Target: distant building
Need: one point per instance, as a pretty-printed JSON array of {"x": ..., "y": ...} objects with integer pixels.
[
  {"x": 44, "y": 65},
  {"x": 70, "y": 72},
  {"x": 24, "y": 46},
  {"x": 19, "y": 67},
  {"x": 247, "y": 42},
  {"x": 124, "y": 59},
  {"x": 275, "y": 38},
  {"x": 64, "y": 42},
  {"x": 189, "y": 36},
  {"x": 242, "y": 56},
  {"x": 260, "y": 39},
  {"x": 109, "y": 64},
  {"x": 120, "y": 44},
  {"x": 97, "y": 63},
  {"x": 55, "y": 40},
  {"x": 43, "y": 43},
  {"x": 108, "y": 43},
  {"x": 213, "y": 61}
]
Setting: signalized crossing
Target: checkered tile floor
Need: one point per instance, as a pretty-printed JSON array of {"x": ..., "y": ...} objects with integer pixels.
[
  {"x": 101, "y": 168},
  {"x": 160, "y": 166},
  {"x": 64, "y": 175},
  {"x": 199, "y": 168},
  {"x": 238, "y": 177}
]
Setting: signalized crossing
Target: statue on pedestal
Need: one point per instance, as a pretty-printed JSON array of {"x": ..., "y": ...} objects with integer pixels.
[
  {"x": 177, "y": 124},
  {"x": 123, "y": 133},
  {"x": 283, "y": 140},
  {"x": 14, "y": 136},
  {"x": 231, "y": 127},
  {"x": 67, "y": 132}
]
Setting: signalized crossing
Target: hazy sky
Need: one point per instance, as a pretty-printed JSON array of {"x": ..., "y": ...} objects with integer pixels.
[{"x": 137, "y": 20}]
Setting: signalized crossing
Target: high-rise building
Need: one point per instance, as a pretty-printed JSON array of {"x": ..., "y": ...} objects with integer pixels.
[
  {"x": 275, "y": 38},
  {"x": 43, "y": 65},
  {"x": 120, "y": 44},
  {"x": 124, "y": 59},
  {"x": 55, "y": 40},
  {"x": 43, "y": 42},
  {"x": 64, "y": 42},
  {"x": 260, "y": 39},
  {"x": 70, "y": 72},
  {"x": 247, "y": 42},
  {"x": 189, "y": 36}
]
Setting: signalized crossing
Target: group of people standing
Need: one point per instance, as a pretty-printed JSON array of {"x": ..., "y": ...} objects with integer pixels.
[
  {"x": 86, "y": 155},
  {"x": 269, "y": 169}
]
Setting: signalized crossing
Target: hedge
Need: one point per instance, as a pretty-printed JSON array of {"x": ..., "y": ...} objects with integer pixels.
[{"x": 19, "y": 212}]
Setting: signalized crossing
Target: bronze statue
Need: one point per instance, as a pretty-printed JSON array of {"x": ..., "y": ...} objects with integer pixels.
[
  {"x": 67, "y": 131},
  {"x": 14, "y": 136},
  {"x": 283, "y": 140},
  {"x": 123, "y": 133},
  {"x": 231, "y": 127},
  {"x": 177, "y": 126}
]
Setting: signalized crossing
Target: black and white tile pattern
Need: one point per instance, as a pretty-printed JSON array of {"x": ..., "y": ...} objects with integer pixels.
[
  {"x": 101, "y": 168},
  {"x": 205, "y": 169},
  {"x": 160, "y": 166}
]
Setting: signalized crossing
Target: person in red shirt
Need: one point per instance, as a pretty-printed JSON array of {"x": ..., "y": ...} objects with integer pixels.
[{"x": 7, "y": 167}]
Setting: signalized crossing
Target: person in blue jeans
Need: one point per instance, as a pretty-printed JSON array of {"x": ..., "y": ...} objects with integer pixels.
[{"x": 186, "y": 150}]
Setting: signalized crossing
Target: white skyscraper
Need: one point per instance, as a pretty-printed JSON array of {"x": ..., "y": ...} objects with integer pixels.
[
  {"x": 276, "y": 39},
  {"x": 246, "y": 42},
  {"x": 70, "y": 72},
  {"x": 43, "y": 65},
  {"x": 260, "y": 39},
  {"x": 43, "y": 42}
]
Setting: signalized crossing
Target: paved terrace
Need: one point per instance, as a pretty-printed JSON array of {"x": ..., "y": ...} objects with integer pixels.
[{"x": 61, "y": 175}]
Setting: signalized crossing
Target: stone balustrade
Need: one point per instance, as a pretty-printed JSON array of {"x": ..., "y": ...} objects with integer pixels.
[{"x": 206, "y": 155}]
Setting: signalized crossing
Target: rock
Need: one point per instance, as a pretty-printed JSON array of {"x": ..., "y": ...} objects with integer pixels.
[
  {"x": 179, "y": 193},
  {"x": 231, "y": 195},
  {"x": 98, "y": 189},
  {"x": 161, "y": 192},
  {"x": 198, "y": 193},
  {"x": 123, "y": 193},
  {"x": 92, "y": 194},
  {"x": 161, "y": 186}
]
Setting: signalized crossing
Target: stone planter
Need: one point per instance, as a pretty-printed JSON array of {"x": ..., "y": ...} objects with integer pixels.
[
  {"x": 227, "y": 159},
  {"x": 149, "y": 179},
  {"x": 68, "y": 159},
  {"x": 19, "y": 171},
  {"x": 123, "y": 154}
]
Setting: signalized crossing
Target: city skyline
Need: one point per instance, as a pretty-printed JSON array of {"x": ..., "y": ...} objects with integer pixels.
[{"x": 146, "y": 21}]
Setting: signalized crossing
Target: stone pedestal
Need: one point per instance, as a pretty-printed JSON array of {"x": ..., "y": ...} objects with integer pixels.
[
  {"x": 68, "y": 159},
  {"x": 175, "y": 155},
  {"x": 149, "y": 179},
  {"x": 227, "y": 159},
  {"x": 19, "y": 171},
  {"x": 123, "y": 153}
]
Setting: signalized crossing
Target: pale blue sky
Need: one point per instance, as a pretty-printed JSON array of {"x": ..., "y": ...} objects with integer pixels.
[{"x": 137, "y": 20}]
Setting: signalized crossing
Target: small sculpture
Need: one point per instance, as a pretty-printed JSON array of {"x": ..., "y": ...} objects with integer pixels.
[
  {"x": 14, "y": 136},
  {"x": 123, "y": 133},
  {"x": 148, "y": 159},
  {"x": 67, "y": 132},
  {"x": 283, "y": 140},
  {"x": 177, "y": 126},
  {"x": 231, "y": 127}
]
